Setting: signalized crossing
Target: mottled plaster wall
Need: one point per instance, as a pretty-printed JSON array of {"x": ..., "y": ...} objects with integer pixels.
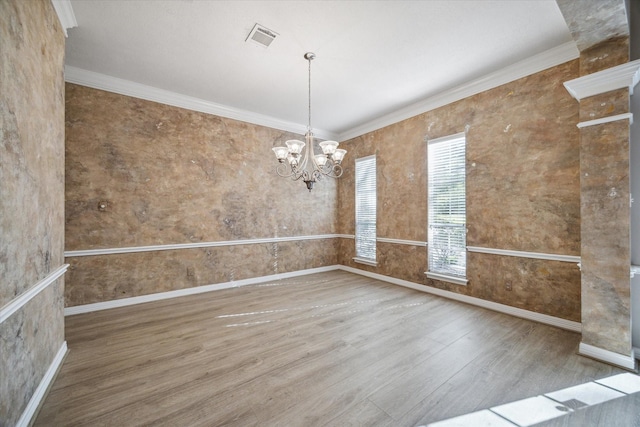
[
  {"x": 172, "y": 176},
  {"x": 31, "y": 195},
  {"x": 605, "y": 210},
  {"x": 592, "y": 21},
  {"x": 523, "y": 192}
]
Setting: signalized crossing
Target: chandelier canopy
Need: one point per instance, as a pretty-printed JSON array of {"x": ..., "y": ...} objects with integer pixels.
[{"x": 298, "y": 159}]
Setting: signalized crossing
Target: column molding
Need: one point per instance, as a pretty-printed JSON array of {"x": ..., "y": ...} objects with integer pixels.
[
  {"x": 595, "y": 323},
  {"x": 618, "y": 77}
]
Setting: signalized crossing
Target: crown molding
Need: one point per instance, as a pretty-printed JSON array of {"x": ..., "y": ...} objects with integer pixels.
[
  {"x": 550, "y": 58},
  {"x": 535, "y": 64},
  {"x": 624, "y": 75},
  {"x": 95, "y": 80},
  {"x": 65, "y": 14}
]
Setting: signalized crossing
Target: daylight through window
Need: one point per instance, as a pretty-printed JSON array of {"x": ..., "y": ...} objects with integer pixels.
[
  {"x": 447, "y": 207},
  {"x": 366, "y": 209}
]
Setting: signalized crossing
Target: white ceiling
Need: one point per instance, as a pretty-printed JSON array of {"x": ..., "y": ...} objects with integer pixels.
[{"x": 373, "y": 57}]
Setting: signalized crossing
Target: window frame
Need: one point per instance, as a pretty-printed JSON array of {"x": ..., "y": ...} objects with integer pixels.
[
  {"x": 446, "y": 274},
  {"x": 371, "y": 187}
]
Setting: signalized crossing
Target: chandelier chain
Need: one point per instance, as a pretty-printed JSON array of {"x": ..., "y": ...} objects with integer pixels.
[{"x": 309, "y": 124}]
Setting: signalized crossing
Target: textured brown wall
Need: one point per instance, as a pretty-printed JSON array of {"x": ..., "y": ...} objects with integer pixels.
[
  {"x": 592, "y": 21},
  {"x": 606, "y": 54},
  {"x": 523, "y": 192},
  {"x": 31, "y": 195},
  {"x": 172, "y": 176},
  {"x": 605, "y": 211}
]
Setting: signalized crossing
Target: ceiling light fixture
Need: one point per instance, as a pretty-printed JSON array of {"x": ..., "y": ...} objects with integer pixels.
[{"x": 311, "y": 167}]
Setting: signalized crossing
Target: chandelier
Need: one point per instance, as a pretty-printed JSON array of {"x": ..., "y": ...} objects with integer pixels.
[{"x": 298, "y": 159}]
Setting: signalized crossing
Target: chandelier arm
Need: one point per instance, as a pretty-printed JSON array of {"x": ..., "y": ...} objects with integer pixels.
[
  {"x": 282, "y": 170},
  {"x": 337, "y": 171},
  {"x": 298, "y": 176}
]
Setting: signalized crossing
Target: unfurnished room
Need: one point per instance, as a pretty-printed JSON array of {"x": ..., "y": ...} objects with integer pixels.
[{"x": 319, "y": 213}]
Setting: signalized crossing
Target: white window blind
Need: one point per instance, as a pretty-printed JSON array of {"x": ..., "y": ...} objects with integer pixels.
[
  {"x": 447, "y": 206},
  {"x": 366, "y": 208}
]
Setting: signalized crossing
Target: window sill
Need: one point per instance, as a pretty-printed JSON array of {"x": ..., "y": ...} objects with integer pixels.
[
  {"x": 365, "y": 261},
  {"x": 446, "y": 278}
]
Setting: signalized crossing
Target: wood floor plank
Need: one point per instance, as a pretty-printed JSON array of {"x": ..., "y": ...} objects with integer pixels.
[{"x": 327, "y": 349}]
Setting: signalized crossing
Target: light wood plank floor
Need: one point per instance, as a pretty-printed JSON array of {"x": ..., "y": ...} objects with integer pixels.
[{"x": 332, "y": 349}]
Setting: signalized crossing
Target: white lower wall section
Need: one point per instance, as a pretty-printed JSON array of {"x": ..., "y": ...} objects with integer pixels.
[
  {"x": 87, "y": 308},
  {"x": 513, "y": 311},
  {"x": 517, "y": 312},
  {"x": 627, "y": 362},
  {"x": 38, "y": 396}
]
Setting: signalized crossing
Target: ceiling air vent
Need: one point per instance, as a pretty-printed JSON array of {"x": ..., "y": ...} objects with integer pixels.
[{"x": 261, "y": 35}]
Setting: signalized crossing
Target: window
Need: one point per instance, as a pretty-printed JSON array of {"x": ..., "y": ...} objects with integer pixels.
[
  {"x": 447, "y": 209},
  {"x": 366, "y": 210}
]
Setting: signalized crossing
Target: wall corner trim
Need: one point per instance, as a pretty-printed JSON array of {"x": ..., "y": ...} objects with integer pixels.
[
  {"x": 26, "y": 296},
  {"x": 618, "y": 77},
  {"x": 506, "y": 309},
  {"x": 67, "y": 18},
  {"x": 41, "y": 391},
  {"x": 627, "y": 362}
]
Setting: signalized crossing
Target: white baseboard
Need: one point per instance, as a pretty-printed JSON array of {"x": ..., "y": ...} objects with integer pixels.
[
  {"x": 38, "y": 396},
  {"x": 513, "y": 311},
  {"x": 87, "y": 308},
  {"x": 613, "y": 358}
]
